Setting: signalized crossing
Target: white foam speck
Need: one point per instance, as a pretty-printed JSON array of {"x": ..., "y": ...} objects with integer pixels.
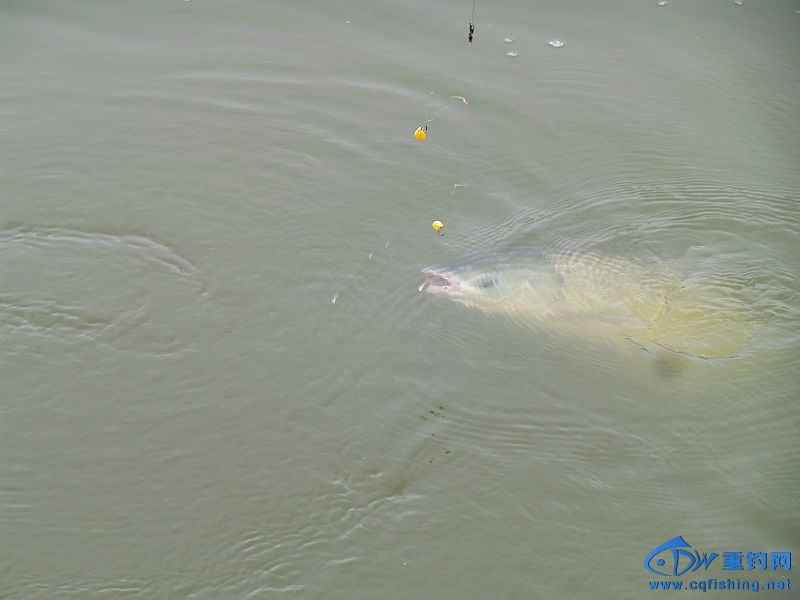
[
  {"x": 512, "y": 53},
  {"x": 556, "y": 43},
  {"x": 662, "y": 3},
  {"x": 333, "y": 300},
  {"x": 370, "y": 256},
  {"x": 508, "y": 40}
]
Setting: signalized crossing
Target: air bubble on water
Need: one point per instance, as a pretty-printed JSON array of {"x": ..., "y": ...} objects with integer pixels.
[
  {"x": 333, "y": 300},
  {"x": 508, "y": 40},
  {"x": 348, "y": 22},
  {"x": 556, "y": 43},
  {"x": 512, "y": 53}
]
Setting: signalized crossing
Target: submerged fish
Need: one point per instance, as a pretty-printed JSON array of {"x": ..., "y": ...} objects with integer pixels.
[{"x": 607, "y": 298}]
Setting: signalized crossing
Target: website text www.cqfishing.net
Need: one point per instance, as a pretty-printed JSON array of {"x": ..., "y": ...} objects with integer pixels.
[
  {"x": 740, "y": 570},
  {"x": 712, "y": 585}
]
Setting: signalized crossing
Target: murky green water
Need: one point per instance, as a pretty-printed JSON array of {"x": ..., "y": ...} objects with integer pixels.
[{"x": 218, "y": 378}]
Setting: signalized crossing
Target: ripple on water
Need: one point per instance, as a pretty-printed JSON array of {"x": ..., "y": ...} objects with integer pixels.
[
  {"x": 733, "y": 284},
  {"x": 79, "y": 287}
]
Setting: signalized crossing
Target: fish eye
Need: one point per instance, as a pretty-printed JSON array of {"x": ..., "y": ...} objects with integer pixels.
[{"x": 487, "y": 282}]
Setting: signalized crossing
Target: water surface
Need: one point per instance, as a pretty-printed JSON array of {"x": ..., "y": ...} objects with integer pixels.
[{"x": 186, "y": 187}]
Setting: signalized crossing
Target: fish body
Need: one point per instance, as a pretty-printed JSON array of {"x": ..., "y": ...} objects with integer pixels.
[{"x": 651, "y": 304}]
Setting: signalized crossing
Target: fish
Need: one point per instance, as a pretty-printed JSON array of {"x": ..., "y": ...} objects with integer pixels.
[{"x": 651, "y": 304}]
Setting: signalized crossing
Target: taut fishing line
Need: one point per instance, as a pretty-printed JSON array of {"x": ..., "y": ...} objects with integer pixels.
[
  {"x": 421, "y": 132},
  {"x": 470, "y": 35}
]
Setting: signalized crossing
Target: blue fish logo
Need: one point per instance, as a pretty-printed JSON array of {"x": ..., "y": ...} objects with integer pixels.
[{"x": 692, "y": 560}]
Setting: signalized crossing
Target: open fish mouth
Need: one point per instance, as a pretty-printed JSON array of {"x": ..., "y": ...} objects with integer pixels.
[{"x": 439, "y": 282}]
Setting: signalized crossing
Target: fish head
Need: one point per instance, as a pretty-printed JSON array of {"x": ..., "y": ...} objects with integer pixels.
[
  {"x": 494, "y": 284},
  {"x": 466, "y": 285}
]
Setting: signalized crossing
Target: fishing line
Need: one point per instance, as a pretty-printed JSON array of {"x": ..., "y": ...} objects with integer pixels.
[
  {"x": 443, "y": 108},
  {"x": 470, "y": 36}
]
